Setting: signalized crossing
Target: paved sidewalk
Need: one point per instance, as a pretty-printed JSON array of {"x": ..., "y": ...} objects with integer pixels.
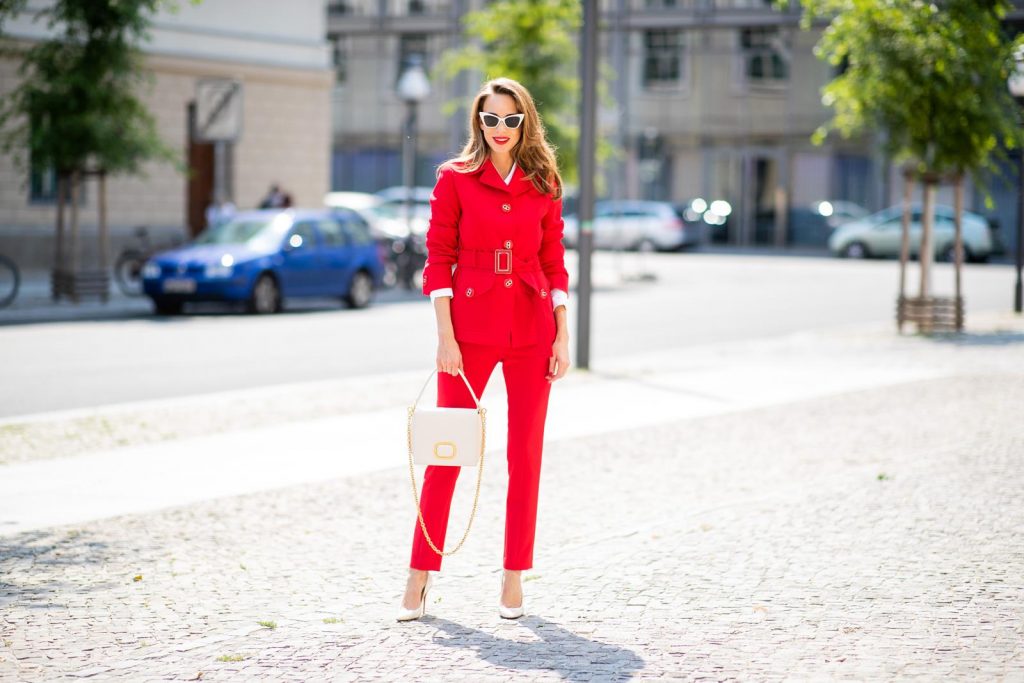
[{"x": 836, "y": 505}]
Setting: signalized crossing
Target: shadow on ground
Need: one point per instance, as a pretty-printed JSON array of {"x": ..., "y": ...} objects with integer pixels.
[
  {"x": 32, "y": 566},
  {"x": 571, "y": 656}
]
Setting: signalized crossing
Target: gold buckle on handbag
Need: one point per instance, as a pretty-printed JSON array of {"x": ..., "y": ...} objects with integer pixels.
[
  {"x": 497, "y": 260},
  {"x": 446, "y": 446}
]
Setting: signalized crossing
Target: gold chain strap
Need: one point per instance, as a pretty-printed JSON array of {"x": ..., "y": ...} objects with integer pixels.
[{"x": 476, "y": 495}]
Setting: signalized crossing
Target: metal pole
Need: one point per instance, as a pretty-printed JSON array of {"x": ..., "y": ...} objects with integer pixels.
[
  {"x": 219, "y": 173},
  {"x": 588, "y": 78},
  {"x": 408, "y": 161},
  {"x": 1018, "y": 291},
  {"x": 408, "y": 172}
]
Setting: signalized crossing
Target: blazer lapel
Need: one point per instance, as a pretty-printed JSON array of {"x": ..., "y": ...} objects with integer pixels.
[
  {"x": 489, "y": 176},
  {"x": 519, "y": 184}
]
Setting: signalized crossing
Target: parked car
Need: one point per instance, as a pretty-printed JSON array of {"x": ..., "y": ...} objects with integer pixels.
[
  {"x": 405, "y": 251},
  {"x": 634, "y": 224},
  {"x": 880, "y": 235},
  {"x": 393, "y": 206},
  {"x": 813, "y": 224},
  {"x": 263, "y": 257}
]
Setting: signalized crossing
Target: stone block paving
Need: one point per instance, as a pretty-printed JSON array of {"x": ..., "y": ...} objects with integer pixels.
[{"x": 867, "y": 536}]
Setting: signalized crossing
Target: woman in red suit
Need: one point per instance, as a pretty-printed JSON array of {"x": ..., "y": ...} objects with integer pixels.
[{"x": 496, "y": 274}]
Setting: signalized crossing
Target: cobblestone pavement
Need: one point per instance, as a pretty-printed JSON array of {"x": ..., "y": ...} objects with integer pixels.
[{"x": 869, "y": 535}]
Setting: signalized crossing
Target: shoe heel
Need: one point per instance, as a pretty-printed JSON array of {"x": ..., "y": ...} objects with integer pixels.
[
  {"x": 411, "y": 614},
  {"x": 509, "y": 612}
]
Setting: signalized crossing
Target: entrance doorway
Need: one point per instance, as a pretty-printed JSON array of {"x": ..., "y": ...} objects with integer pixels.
[{"x": 200, "y": 176}]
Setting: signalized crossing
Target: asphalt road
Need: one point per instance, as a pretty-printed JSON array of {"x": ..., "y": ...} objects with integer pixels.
[{"x": 693, "y": 299}]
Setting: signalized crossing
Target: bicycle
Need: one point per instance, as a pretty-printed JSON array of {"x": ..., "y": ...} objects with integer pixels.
[
  {"x": 129, "y": 263},
  {"x": 10, "y": 281}
]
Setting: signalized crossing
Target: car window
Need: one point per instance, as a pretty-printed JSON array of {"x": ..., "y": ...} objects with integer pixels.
[
  {"x": 356, "y": 229},
  {"x": 302, "y": 235},
  {"x": 639, "y": 213},
  {"x": 332, "y": 233}
]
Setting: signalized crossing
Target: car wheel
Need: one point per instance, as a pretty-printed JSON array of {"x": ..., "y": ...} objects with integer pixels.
[
  {"x": 360, "y": 291},
  {"x": 167, "y": 307},
  {"x": 647, "y": 246},
  {"x": 266, "y": 295},
  {"x": 128, "y": 272},
  {"x": 855, "y": 250}
]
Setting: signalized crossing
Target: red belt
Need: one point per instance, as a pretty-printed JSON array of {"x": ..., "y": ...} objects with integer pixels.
[{"x": 500, "y": 260}]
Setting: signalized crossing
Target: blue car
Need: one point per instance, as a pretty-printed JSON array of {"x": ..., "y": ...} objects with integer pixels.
[{"x": 263, "y": 257}]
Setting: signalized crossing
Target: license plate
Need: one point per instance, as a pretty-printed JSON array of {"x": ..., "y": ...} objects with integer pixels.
[{"x": 179, "y": 286}]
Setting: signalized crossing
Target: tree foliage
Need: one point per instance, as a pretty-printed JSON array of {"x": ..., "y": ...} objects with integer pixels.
[
  {"x": 932, "y": 75},
  {"x": 530, "y": 41},
  {"x": 77, "y": 106}
]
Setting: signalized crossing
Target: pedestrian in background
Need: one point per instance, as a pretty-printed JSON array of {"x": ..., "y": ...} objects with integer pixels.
[
  {"x": 219, "y": 211},
  {"x": 496, "y": 215},
  {"x": 274, "y": 199}
]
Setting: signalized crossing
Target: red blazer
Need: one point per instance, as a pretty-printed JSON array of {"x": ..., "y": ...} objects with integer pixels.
[{"x": 505, "y": 243}]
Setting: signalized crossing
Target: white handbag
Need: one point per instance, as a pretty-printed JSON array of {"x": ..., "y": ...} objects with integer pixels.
[{"x": 454, "y": 437}]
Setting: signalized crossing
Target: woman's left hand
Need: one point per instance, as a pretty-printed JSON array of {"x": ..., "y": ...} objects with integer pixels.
[{"x": 558, "y": 363}]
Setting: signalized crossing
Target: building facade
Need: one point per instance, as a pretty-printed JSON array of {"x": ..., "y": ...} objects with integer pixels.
[
  {"x": 712, "y": 98},
  {"x": 276, "y": 51}
]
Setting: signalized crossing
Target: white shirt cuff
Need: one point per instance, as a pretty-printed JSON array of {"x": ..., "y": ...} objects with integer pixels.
[
  {"x": 558, "y": 296},
  {"x": 443, "y": 291}
]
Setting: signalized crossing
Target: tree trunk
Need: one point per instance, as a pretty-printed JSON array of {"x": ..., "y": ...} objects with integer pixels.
[
  {"x": 958, "y": 210},
  {"x": 58, "y": 250},
  {"x": 908, "y": 192},
  {"x": 927, "y": 251},
  {"x": 73, "y": 246},
  {"x": 103, "y": 236}
]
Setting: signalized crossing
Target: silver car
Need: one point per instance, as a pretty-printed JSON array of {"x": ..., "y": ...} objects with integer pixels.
[
  {"x": 642, "y": 225},
  {"x": 880, "y": 234}
]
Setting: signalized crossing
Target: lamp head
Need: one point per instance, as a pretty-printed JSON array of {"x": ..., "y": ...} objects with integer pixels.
[{"x": 413, "y": 85}]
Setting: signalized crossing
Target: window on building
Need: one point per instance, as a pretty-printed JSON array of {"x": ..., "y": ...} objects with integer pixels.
[
  {"x": 417, "y": 7},
  {"x": 339, "y": 8},
  {"x": 42, "y": 185},
  {"x": 339, "y": 57},
  {"x": 663, "y": 54},
  {"x": 42, "y": 179},
  {"x": 765, "y": 54},
  {"x": 412, "y": 45}
]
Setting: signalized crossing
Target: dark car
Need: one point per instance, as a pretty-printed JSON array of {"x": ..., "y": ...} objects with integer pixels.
[{"x": 263, "y": 257}]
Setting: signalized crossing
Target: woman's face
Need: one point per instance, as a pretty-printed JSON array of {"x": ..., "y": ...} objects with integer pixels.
[{"x": 501, "y": 139}]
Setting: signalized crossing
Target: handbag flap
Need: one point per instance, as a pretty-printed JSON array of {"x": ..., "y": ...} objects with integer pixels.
[{"x": 446, "y": 436}]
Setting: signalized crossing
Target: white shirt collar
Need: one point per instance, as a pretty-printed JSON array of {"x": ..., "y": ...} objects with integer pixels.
[{"x": 508, "y": 178}]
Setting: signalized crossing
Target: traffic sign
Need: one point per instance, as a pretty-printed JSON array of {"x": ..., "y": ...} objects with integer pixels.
[{"x": 218, "y": 109}]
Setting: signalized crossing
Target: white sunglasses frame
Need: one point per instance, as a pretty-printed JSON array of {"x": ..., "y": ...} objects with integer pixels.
[{"x": 501, "y": 120}]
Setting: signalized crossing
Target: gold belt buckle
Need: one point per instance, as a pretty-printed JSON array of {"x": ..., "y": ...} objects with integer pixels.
[{"x": 497, "y": 260}]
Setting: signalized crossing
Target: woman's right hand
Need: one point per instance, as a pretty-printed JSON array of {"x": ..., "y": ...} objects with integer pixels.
[{"x": 449, "y": 356}]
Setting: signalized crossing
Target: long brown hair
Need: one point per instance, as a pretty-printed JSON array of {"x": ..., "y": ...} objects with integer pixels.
[{"x": 533, "y": 153}]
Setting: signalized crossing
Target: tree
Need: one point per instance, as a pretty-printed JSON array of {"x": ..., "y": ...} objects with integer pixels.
[
  {"x": 77, "y": 108},
  {"x": 530, "y": 41},
  {"x": 933, "y": 76}
]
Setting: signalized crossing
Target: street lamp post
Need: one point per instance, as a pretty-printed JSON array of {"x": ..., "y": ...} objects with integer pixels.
[
  {"x": 413, "y": 87},
  {"x": 587, "y": 167}
]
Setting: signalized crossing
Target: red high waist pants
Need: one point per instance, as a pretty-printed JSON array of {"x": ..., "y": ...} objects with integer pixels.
[{"x": 525, "y": 369}]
